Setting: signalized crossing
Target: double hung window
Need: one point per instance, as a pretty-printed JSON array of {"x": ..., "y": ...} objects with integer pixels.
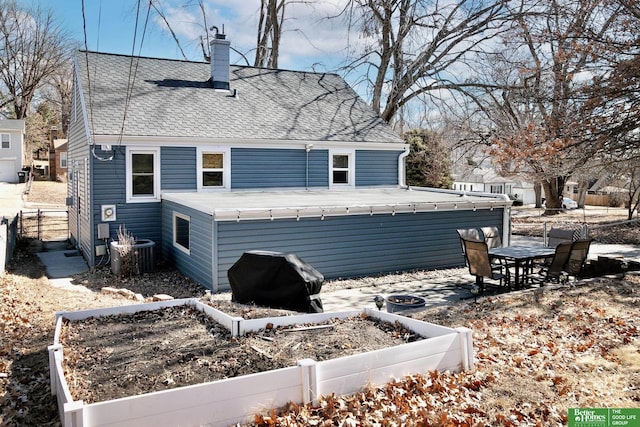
[
  {"x": 213, "y": 168},
  {"x": 342, "y": 169},
  {"x": 143, "y": 175}
]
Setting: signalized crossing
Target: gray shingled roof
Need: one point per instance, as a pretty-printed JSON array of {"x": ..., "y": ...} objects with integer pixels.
[{"x": 175, "y": 99}]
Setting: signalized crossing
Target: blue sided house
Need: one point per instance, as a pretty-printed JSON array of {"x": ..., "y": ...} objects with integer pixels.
[{"x": 210, "y": 160}]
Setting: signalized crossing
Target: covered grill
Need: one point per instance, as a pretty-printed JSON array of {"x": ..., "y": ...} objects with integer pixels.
[{"x": 276, "y": 280}]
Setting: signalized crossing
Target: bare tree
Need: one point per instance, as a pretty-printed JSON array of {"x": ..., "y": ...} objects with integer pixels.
[
  {"x": 39, "y": 124},
  {"x": 538, "y": 126},
  {"x": 269, "y": 33},
  {"x": 32, "y": 49},
  {"x": 418, "y": 46},
  {"x": 59, "y": 93},
  {"x": 613, "y": 101},
  {"x": 158, "y": 9}
]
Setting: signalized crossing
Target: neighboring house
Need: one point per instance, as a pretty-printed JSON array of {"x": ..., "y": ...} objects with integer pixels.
[
  {"x": 11, "y": 149},
  {"x": 212, "y": 160},
  {"x": 485, "y": 179},
  {"x": 58, "y": 160}
]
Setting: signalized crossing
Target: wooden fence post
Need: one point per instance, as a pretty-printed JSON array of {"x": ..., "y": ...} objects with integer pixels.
[{"x": 39, "y": 222}]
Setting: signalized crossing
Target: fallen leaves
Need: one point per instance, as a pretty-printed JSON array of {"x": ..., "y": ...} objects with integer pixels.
[
  {"x": 574, "y": 347},
  {"x": 510, "y": 386}
]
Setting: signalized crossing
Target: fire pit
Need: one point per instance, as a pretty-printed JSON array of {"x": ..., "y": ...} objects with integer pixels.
[{"x": 404, "y": 302}]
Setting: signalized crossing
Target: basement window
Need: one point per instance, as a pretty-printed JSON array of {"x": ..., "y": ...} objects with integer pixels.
[{"x": 182, "y": 232}]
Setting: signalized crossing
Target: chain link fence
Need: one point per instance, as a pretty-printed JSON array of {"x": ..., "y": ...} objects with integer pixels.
[{"x": 602, "y": 224}]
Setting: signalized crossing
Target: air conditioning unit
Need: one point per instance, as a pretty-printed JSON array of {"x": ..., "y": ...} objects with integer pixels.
[{"x": 108, "y": 212}]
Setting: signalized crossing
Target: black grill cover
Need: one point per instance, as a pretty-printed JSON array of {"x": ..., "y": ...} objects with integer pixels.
[{"x": 277, "y": 280}]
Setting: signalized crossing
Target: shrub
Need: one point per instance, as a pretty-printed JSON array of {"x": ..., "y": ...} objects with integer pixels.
[{"x": 128, "y": 257}]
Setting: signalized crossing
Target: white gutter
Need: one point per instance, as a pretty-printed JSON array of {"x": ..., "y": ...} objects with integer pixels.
[
  {"x": 164, "y": 140},
  {"x": 325, "y": 204},
  {"x": 230, "y": 214},
  {"x": 463, "y": 194}
]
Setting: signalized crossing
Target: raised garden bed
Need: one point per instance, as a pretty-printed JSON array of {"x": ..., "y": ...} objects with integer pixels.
[{"x": 284, "y": 352}]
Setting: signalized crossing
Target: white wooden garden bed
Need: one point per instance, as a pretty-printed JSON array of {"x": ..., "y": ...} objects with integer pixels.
[{"x": 233, "y": 400}]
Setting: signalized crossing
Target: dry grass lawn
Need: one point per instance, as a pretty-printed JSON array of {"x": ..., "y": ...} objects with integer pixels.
[{"x": 537, "y": 355}]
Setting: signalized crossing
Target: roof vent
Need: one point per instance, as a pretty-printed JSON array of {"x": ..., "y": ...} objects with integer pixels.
[{"x": 220, "y": 60}]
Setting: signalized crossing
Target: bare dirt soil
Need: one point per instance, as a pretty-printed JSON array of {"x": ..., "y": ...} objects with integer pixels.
[{"x": 125, "y": 355}]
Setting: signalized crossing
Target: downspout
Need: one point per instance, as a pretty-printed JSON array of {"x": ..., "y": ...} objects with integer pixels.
[
  {"x": 307, "y": 148},
  {"x": 215, "y": 286},
  {"x": 506, "y": 224},
  {"x": 402, "y": 182}
]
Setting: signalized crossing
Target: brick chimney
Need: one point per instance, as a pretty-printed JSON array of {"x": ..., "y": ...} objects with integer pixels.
[{"x": 220, "y": 61}]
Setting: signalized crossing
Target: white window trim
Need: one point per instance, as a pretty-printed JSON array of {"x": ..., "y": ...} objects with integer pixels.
[
  {"x": 226, "y": 165},
  {"x": 351, "y": 176},
  {"x": 175, "y": 242},
  {"x": 156, "y": 175},
  {"x": 9, "y": 135},
  {"x": 64, "y": 156}
]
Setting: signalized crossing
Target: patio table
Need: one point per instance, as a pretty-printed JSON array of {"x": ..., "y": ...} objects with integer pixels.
[{"x": 521, "y": 256}]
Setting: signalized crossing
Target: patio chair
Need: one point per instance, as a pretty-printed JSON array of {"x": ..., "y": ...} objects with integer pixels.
[
  {"x": 492, "y": 236},
  {"x": 471, "y": 234},
  {"x": 559, "y": 235},
  {"x": 554, "y": 271},
  {"x": 477, "y": 255},
  {"x": 493, "y": 239},
  {"x": 578, "y": 256}
]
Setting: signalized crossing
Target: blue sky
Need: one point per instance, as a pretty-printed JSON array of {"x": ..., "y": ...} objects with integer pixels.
[{"x": 309, "y": 41}]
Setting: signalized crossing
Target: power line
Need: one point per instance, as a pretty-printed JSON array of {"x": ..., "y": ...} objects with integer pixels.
[
  {"x": 133, "y": 70},
  {"x": 90, "y": 92}
]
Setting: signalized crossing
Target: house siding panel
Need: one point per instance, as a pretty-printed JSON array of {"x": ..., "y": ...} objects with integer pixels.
[
  {"x": 356, "y": 245},
  {"x": 178, "y": 166},
  {"x": 80, "y": 226},
  {"x": 376, "y": 167},
  {"x": 278, "y": 168},
  {"x": 142, "y": 220},
  {"x": 198, "y": 263}
]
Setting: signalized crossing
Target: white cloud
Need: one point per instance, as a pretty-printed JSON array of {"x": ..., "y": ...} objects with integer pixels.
[{"x": 308, "y": 36}]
